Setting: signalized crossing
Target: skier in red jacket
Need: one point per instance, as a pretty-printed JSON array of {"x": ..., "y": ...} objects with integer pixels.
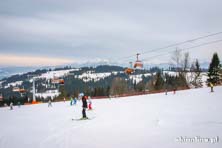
[{"x": 90, "y": 103}]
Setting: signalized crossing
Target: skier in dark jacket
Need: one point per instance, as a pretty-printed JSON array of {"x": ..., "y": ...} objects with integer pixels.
[
  {"x": 84, "y": 107},
  {"x": 211, "y": 87}
]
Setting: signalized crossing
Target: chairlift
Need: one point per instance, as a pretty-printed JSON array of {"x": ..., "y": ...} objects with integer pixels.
[
  {"x": 58, "y": 81},
  {"x": 138, "y": 64},
  {"x": 61, "y": 81},
  {"x": 20, "y": 90},
  {"x": 129, "y": 70}
]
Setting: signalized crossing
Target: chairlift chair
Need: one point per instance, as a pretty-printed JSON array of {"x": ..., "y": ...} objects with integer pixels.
[
  {"x": 58, "y": 81},
  {"x": 129, "y": 70},
  {"x": 138, "y": 64},
  {"x": 22, "y": 91}
]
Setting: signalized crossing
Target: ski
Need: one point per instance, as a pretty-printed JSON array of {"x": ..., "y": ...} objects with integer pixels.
[{"x": 81, "y": 119}]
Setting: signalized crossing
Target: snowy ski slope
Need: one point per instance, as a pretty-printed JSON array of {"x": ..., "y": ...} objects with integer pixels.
[{"x": 148, "y": 121}]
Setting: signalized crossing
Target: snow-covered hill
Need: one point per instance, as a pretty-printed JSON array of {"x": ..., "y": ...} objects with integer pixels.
[
  {"x": 56, "y": 73},
  {"x": 156, "y": 120},
  {"x": 92, "y": 76}
]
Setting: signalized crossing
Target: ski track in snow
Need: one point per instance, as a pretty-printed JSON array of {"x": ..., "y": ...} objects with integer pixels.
[{"x": 60, "y": 136}]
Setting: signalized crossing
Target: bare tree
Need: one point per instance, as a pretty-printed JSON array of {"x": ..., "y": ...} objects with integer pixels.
[
  {"x": 118, "y": 86},
  {"x": 150, "y": 84},
  {"x": 185, "y": 66},
  {"x": 195, "y": 69},
  {"x": 186, "y": 62},
  {"x": 181, "y": 63},
  {"x": 176, "y": 59}
]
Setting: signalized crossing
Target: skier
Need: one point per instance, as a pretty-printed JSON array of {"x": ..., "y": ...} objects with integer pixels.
[
  {"x": 50, "y": 103},
  {"x": 74, "y": 101},
  {"x": 211, "y": 87},
  {"x": 64, "y": 99},
  {"x": 71, "y": 101},
  {"x": 174, "y": 91},
  {"x": 84, "y": 107},
  {"x": 11, "y": 106},
  {"x": 80, "y": 96},
  {"x": 166, "y": 91},
  {"x": 90, "y": 103},
  {"x": 29, "y": 100},
  {"x": 19, "y": 104}
]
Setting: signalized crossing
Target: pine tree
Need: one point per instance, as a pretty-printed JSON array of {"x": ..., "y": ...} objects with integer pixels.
[
  {"x": 213, "y": 72},
  {"x": 220, "y": 74},
  {"x": 140, "y": 86},
  {"x": 63, "y": 92},
  {"x": 108, "y": 91},
  {"x": 159, "y": 82}
]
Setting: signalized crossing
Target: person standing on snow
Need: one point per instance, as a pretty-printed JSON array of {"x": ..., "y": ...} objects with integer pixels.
[
  {"x": 71, "y": 101},
  {"x": 174, "y": 91},
  {"x": 29, "y": 99},
  {"x": 11, "y": 106},
  {"x": 211, "y": 87},
  {"x": 90, "y": 103},
  {"x": 19, "y": 104},
  {"x": 64, "y": 99},
  {"x": 50, "y": 103},
  {"x": 74, "y": 101},
  {"x": 166, "y": 91},
  {"x": 84, "y": 107}
]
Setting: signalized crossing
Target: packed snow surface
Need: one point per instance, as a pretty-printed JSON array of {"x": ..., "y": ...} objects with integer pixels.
[{"x": 146, "y": 121}]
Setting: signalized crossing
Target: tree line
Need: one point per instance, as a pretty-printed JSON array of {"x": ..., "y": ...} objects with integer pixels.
[{"x": 187, "y": 74}]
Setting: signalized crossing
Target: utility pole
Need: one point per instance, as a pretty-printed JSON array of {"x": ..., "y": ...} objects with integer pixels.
[
  {"x": 34, "y": 77},
  {"x": 33, "y": 90}
]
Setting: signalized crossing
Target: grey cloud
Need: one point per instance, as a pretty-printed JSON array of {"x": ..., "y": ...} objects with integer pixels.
[{"x": 102, "y": 29}]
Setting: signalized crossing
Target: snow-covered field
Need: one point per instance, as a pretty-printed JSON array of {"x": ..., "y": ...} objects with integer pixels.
[
  {"x": 148, "y": 121},
  {"x": 17, "y": 83}
]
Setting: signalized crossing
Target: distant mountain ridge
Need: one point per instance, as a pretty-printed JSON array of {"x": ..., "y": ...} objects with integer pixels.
[{"x": 9, "y": 71}]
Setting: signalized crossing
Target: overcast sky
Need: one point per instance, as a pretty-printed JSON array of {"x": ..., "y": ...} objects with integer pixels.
[{"x": 52, "y": 32}]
